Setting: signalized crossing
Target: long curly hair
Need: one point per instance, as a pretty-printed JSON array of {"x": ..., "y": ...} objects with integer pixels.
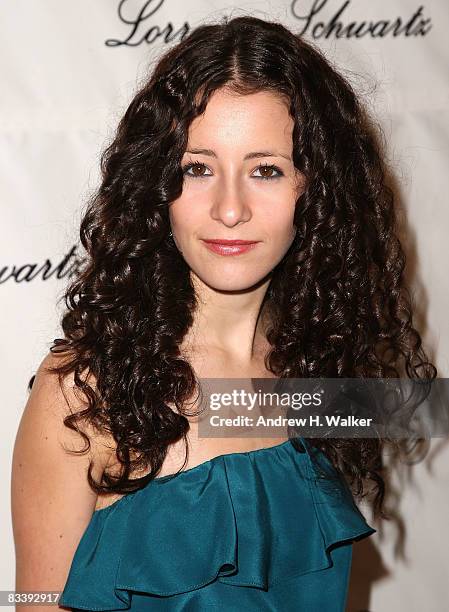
[{"x": 338, "y": 302}]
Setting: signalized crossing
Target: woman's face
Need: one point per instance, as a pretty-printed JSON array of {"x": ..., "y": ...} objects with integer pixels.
[{"x": 239, "y": 184}]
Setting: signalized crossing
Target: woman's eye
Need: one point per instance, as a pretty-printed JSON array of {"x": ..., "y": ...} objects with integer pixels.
[
  {"x": 196, "y": 170},
  {"x": 196, "y": 167},
  {"x": 267, "y": 172}
]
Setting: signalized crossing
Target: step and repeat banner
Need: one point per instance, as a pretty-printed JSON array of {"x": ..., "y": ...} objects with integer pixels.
[{"x": 69, "y": 70}]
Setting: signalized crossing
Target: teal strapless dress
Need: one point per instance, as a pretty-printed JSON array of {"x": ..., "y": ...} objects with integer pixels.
[{"x": 254, "y": 531}]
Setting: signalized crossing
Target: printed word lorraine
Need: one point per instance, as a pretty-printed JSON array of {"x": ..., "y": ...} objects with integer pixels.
[{"x": 139, "y": 32}]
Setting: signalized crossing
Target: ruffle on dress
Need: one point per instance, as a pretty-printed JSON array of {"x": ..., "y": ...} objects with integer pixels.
[{"x": 250, "y": 519}]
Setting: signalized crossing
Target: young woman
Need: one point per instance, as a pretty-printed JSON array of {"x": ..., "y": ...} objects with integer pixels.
[{"x": 244, "y": 132}]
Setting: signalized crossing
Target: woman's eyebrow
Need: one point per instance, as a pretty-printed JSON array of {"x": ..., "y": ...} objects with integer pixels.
[{"x": 252, "y": 155}]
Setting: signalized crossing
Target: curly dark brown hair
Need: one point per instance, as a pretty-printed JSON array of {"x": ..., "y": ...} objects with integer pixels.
[{"x": 338, "y": 302}]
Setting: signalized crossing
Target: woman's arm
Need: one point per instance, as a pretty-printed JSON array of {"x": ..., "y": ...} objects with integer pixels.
[{"x": 52, "y": 501}]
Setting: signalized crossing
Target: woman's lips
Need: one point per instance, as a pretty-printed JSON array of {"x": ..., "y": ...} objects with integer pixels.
[{"x": 229, "y": 247}]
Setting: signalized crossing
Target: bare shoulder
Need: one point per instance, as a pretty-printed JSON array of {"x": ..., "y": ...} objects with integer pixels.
[
  {"x": 51, "y": 500},
  {"x": 51, "y": 401}
]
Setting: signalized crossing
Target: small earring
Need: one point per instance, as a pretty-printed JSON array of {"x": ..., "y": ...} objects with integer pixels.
[{"x": 170, "y": 234}]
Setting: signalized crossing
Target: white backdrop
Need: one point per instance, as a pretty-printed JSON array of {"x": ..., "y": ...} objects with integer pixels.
[{"x": 64, "y": 88}]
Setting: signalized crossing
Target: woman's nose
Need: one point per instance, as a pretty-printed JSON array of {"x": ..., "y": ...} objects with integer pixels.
[{"x": 230, "y": 205}]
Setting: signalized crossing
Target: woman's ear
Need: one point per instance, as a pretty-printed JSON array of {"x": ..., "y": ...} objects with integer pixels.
[{"x": 300, "y": 183}]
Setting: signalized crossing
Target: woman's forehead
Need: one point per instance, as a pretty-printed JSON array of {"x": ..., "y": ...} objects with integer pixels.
[{"x": 261, "y": 117}]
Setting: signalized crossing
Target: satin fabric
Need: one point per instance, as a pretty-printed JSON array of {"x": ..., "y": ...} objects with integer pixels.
[{"x": 256, "y": 531}]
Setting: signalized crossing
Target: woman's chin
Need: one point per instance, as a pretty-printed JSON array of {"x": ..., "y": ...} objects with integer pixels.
[{"x": 231, "y": 282}]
